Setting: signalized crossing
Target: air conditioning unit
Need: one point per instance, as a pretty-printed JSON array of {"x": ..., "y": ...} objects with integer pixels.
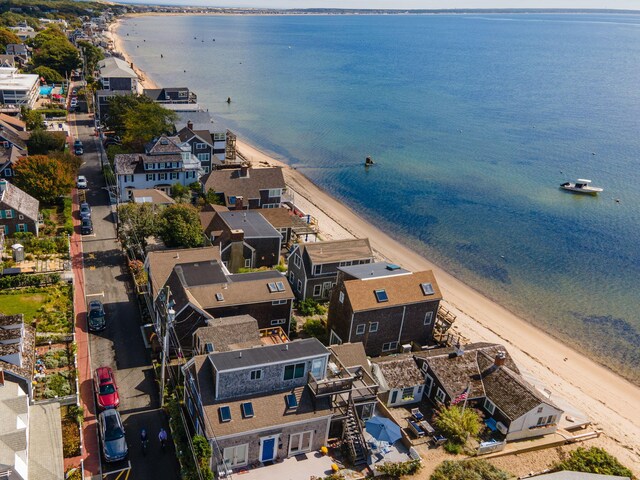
[{"x": 406, "y": 348}]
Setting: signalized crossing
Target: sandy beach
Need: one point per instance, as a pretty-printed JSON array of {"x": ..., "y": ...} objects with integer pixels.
[{"x": 611, "y": 402}]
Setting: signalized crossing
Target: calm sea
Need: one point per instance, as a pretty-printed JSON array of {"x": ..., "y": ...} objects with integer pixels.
[{"x": 473, "y": 120}]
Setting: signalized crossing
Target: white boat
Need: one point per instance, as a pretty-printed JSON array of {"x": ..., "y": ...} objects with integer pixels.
[{"x": 581, "y": 185}]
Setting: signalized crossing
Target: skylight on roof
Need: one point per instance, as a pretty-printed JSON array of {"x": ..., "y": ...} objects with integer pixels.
[
  {"x": 247, "y": 409},
  {"x": 280, "y": 286},
  {"x": 219, "y": 297},
  {"x": 393, "y": 266},
  {"x": 291, "y": 401},
  {"x": 225, "y": 414},
  {"x": 381, "y": 295},
  {"x": 427, "y": 289},
  {"x": 272, "y": 287}
]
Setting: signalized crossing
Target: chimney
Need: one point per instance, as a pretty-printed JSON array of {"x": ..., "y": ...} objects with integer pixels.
[
  {"x": 189, "y": 124},
  {"x": 500, "y": 359},
  {"x": 244, "y": 171},
  {"x": 236, "y": 257},
  {"x": 240, "y": 203}
]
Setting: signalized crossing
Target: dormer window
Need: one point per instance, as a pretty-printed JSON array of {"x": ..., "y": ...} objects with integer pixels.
[{"x": 317, "y": 269}]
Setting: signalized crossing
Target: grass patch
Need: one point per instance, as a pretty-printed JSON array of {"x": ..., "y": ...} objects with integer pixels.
[{"x": 49, "y": 308}]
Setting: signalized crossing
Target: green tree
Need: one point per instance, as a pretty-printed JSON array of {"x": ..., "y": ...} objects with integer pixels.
[
  {"x": 45, "y": 178},
  {"x": 92, "y": 55},
  {"x": 468, "y": 470},
  {"x": 593, "y": 460},
  {"x": 49, "y": 74},
  {"x": 457, "y": 423},
  {"x": 119, "y": 108},
  {"x": 214, "y": 198},
  {"x": 137, "y": 222},
  {"x": 7, "y": 37},
  {"x": 180, "y": 226},
  {"x": 179, "y": 191},
  {"x": 41, "y": 142},
  {"x": 55, "y": 51},
  {"x": 145, "y": 123},
  {"x": 32, "y": 118}
]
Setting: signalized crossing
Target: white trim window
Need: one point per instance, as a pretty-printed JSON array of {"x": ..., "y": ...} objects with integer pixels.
[
  {"x": 440, "y": 395},
  {"x": 360, "y": 329},
  {"x": 428, "y": 318},
  {"x": 21, "y": 227},
  {"x": 247, "y": 263},
  {"x": 151, "y": 177},
  {"x": 341, "y": 297},
  {"x": 8, "y": 213},
  {"x": 204, "y": 157},
  {"x": 373, "y": 327},
  {"x": 489, "y": 406},
  {"x": 278, "y": 321},
  {"x": 236, "y": 456},
  {"x": 279, "y": 302},
  {"x": 300, "y": 286},
  {"x": 387, "y": 347},
  {"x": 275, "y": 192},
  {"x": 201, "y": 146},
  {"x": 297, "y": 261},
  {"x": 292, "y": 278},
  {"x": 256, "y": 374},
  {"x": 317, "y": 290},
  {"x": 173, "y": 175},
  {"x": 317, "y": 269},
  {"x": 300, "y": 442}
]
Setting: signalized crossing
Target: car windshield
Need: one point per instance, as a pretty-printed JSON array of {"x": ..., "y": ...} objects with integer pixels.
[
  {"x": 96, "y": 313},
  {"x": 107, "y": 389},
  {"x": 112, "y": 430}
]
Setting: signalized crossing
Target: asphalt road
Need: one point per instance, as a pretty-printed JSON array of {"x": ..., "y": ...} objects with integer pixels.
[{"x": 121, "y": 345}]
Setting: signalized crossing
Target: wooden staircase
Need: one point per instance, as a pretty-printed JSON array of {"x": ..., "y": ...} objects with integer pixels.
[{"x": 353, "y": 435}]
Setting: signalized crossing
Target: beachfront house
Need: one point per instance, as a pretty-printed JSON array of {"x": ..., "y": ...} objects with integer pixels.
[
  {"x": 486, "y": 374},
  {"x": 290, "y": 225},
  {"x": 401, "y": 381},
  {"x": 255, "y": 406},
  {"x": 18, "y": 210},
  {"x": 313, "y": 267},
  {"x": 202, "y": 289},
  {"x": 200, "y": 142},
  {"x": 247, "y": 188},
  {"x": 171, "y": 95},
  {"x": 17, "y": 90},
  {"x": 387, "y": 313},
  {"x": 196, "y": 127},
  {"x": 245, "y": 239},
  {"x": 163, "y": 164},
  {"x": 116, "y": 74}
]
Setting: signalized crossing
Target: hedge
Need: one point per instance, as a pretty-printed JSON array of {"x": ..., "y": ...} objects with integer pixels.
[{"x": 28, "y": 280}]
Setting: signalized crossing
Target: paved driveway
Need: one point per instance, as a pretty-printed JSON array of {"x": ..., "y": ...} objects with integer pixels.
[{"x": 121, "y": 345}]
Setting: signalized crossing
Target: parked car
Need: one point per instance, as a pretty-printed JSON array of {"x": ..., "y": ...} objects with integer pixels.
[
  {"x": 85, "y": 210},
  {"x": 114, "y": 443},
  {"x": 77, "y": 143},
  {"x": 106, "y": 388},
  {"x": 86, "y": 227},
  {"x": 81, "y": 182},
  {"x": 112, "y": 141},
  {"x": 96, "y": 317},
  {"x": 78, "y": 151}
]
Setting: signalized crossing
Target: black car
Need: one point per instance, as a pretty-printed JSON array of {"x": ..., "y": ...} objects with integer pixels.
[
  {"x": 86, "y": 227},
  {"x": 96, "y": 316},
  {"x": 114, "y": 443},
  {"x": 78, "y": 151},
  {"x": 77, "y": 143}
]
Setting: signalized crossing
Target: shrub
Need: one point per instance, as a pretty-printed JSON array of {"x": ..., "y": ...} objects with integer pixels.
[
  {"x": 27, "y": 280},
  {"x": 452, "y": 448},
  {"x": 457, "y": 424},
  {"x": 70, "y": 438},
  {"x": 314, "y": 328},
  {"x": 67, "y": 215},
  {"x": 310, "y": 307},
  {"x": 399, "y": 469},
  {"x": 468, "y": 470},
  {"x": 593, "y": 460},
  {"x": 57, "y": 385}
]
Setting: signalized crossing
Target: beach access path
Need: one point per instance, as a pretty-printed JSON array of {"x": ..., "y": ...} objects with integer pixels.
[{"x": 610, "y": 401}]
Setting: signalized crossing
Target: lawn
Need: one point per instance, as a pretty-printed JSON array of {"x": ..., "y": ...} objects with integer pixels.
[
  {"x": 27, "y": 304},
  {"x": 49, "y": 308}
]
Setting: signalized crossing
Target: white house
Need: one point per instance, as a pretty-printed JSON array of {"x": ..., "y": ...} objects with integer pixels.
[{"x": 17, "y": 89}]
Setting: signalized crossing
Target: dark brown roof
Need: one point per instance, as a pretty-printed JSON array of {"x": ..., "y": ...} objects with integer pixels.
[
  {"x": 230, "y": 333},
  {"x": 269, "y": 410},
  {"x": 338, "y": 250},
  {"x": 400, "y": 290},
  {"x": 282, "y": 218},
  {"x": 20, "y": 201},
  {"x": 351, "y": 355},
  {"x": 161, "y": 262},
  {"x": 15, "y": 122},
  {"x": 399, "y": 371},
  {"x": 232, "y": 184}
]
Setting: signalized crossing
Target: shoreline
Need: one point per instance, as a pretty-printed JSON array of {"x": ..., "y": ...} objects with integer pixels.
[{"x": 608, "y": 399}]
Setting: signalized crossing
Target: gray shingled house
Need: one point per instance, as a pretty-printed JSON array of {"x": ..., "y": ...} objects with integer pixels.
[
  {"x": 18, "y": 210},
  {"x": 401, "y": 381},
  {"x": 313, "y": 267},
  {"x": 247, "y": 188}
]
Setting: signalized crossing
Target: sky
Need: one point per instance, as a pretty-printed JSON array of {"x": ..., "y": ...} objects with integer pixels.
[{"x": 405, "y": 4}]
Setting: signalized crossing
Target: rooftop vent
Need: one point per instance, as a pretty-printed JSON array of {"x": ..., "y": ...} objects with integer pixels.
[
  {"x": 225, "y": 414},
  {"x": 381, "y": 295},
  {"x": 427, "y": 288},
  {"x": 247, "y": 409},
  {"x": 219, "y": 297}
]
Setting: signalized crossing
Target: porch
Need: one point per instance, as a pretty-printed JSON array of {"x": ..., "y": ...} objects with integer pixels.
[{"x": 305, "y": 466}]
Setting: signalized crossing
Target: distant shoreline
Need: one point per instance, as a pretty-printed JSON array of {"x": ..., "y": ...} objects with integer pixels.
[{"x": 607, "y": 398}]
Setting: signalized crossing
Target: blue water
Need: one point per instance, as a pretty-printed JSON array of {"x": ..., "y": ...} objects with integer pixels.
[
  {"x": 473, "y": 120},
  {"x": 45, "y": 89}
]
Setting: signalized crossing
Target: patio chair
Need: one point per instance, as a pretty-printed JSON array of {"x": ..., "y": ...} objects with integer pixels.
[
  {"x": 439, "y": 440},
  {"x": 416, "y": 429},
  {"x": 417, "y": 414}
]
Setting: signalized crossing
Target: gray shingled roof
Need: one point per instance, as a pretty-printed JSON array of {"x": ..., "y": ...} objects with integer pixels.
[
  {"x": 116, "y": 68},
  {"x": 163, "y": 145},
  {"x": 399, "y": 371},
  {"x": 338, "y": 250},
  {"x": 251, "y": 222},
  {"x": 20, "y": 201},
  {"x": 230, "y": 333},
  {"x": 292, "y": 351}
]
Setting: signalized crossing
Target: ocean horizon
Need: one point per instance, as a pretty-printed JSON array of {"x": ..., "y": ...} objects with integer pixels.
[{"x": 473, "y": 122}]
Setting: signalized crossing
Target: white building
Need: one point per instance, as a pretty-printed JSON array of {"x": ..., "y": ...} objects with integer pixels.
[{"x": 17, "y": 89}]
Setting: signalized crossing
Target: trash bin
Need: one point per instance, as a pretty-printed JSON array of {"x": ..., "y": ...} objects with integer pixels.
[{"x": 17, "y": 252}]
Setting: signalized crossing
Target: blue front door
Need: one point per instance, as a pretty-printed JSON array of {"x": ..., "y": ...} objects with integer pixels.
[{"x": 268, "y": 447}]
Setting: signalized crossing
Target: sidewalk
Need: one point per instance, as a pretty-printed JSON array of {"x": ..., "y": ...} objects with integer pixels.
[{"x": 90, "y": 448}]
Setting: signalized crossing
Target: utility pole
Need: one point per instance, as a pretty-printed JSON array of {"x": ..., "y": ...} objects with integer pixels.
[{"x": 170, "y": 316}]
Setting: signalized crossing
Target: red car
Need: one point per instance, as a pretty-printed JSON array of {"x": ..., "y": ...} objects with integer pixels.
[{"x": 106, "y": 388}]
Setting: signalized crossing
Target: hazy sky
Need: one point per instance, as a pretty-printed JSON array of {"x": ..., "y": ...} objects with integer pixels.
[{"x": 409, "y": 4}]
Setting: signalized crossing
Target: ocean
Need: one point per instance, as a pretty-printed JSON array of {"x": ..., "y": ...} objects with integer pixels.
[{"x": 473, "y": 122}]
